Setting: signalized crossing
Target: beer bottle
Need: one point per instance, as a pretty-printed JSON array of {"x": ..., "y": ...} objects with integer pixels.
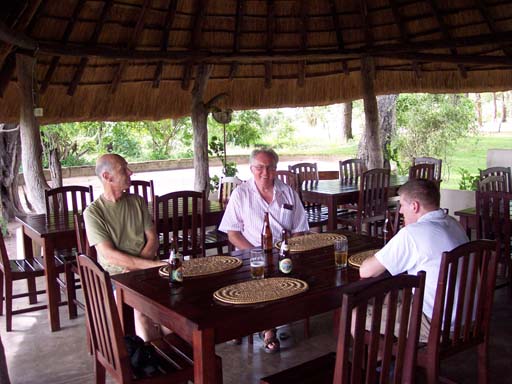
[
  {"x": 285, "y": 261},
  {"x": 175, "y": 269},
  {"x": 266, "y": 235}
]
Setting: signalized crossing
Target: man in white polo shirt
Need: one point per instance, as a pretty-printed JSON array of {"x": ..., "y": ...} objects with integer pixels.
[
  {"x": 419, "y": 246},
  {"x": 243, "y": 218}
]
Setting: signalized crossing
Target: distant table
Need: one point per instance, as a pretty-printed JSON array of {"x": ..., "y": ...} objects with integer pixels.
[
  {"x": 332, "y": 193},
  {"x": 468, "y": 219},
  {"x": 193, "y": 313}
]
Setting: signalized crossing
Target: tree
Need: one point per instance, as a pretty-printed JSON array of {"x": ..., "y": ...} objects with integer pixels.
[
  {"x": 167, "y": 135},
  {"x": 10, "y": 159},
  {"x": 347, "y": 122},
  {"x": 244, "y": 129}
]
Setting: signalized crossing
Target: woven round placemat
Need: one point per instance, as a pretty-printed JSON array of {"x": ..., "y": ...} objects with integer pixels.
[
  {"x": 311, "y": 241},
  {"x": 260, "y": 291},
  {"x": 205, "y": 266},
  {"x": 357, "y": 258}
]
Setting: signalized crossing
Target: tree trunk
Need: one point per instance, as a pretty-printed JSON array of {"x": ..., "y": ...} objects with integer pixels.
[
  {"x": 31, "y": 147},
  {"x": 478, "y": 104},
  {"x": 10, "y": 158},
  {"x": 55, "y": 168},
  {"x": 387, "y": 116},
  {"x": 495, "y": 104},
  {"x": 503, "y": 108},
  {"x": 347, "y": 122},
  {"x": 370, "y": 147},
  {"x": 200, "y": 128}
]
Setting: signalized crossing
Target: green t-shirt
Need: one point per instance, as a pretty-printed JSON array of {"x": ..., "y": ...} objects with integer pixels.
[{"x": 122, "y": 222}]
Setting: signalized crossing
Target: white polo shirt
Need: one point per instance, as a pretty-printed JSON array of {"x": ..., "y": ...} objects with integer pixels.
[
  {"x": 419, "y": 247},
  {"x": 246, "y": 209}
]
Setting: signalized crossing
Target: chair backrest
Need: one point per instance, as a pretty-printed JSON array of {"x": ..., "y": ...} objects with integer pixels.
[
  {"x": 290, "y": 178},
  {"x": 463, "y": 301},
  {"x": 438, "y": 163},
  {"x": 423, "y": 171},
  {"x": 495, "y": 179},
  {"x": 373, "y": 196},
  {"x": 353, "y": 365},
  {"x": 103, "y": 320},
  {"x": 144, "y": 189},
  {"x": 179, "y": 219},
  {"x": 4, "y": 259},
  {"x": 351, "y": 170},
  {"x": 306, "y": 172},
  {"x": 226, "y": 187},
  {"x": 82, "y": 244},
  {"x": 71, "y": 198}
]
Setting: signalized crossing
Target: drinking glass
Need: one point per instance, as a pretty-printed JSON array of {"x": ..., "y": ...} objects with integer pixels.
[
  {"x": 340, "y": 253},
  {"x": 257, "y": 264}
]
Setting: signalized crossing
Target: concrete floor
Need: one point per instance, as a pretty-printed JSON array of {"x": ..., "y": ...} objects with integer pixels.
[{"x": 35, "y": 355}]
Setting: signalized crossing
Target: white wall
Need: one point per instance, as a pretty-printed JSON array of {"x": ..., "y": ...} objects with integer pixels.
[
  {"x": 499, "y": 158},
  {"x": 455, "y": 200}
]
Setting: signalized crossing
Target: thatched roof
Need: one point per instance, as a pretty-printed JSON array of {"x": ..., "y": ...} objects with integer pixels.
[{"x": 135, "y": 59}]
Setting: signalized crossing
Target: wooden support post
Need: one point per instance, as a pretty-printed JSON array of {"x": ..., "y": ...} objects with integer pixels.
[
  {"x": 31, "y": 146},
  {"x": 200, "y": 128},
  {"x": 371, "y": 112}
]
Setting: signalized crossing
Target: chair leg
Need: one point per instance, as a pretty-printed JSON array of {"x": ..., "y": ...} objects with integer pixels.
[
  {"x": 306, "y": 328},
  {"x": 8, "y": 306},
  {"x": 483, "y": 364},
  {"x": 99, "y": 372},
  {"x": 220, "y": 250},
  {"x": 1, "y": 293},
  {"x": 251, "y": 339},
  {"x": 69, "y": 277},
  {"x": 432, "y": 371},
  {"x": 31, "y": 288}
]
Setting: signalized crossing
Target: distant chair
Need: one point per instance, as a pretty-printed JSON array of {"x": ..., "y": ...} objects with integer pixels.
[
  {"x": 306, "y": 172},
  {"x": 462, "y": 308},
  {"x": 226, "y": 187},
  {"x": 356, "y": 362},
  {"x": 144, "y": 189},
  {"x": 438, "y": 163},
  {"x": 422, "y": 171},
  {"x": 290, "y": 178},
  {"x": 495, "y": 179},
  {"x": 351, "y": 170}
]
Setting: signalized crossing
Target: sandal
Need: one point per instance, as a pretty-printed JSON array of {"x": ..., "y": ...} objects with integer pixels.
[{"x": 271, "y": 343}]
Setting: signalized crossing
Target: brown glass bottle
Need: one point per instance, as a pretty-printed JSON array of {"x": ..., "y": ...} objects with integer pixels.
[
  {"x": 285, "y": 261},
  {"x": 266, "y": 235},
  {"x": 175, "y": 269}
]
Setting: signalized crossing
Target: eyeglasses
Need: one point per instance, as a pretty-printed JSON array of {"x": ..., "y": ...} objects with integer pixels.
[{"x": 260, "y": 167}]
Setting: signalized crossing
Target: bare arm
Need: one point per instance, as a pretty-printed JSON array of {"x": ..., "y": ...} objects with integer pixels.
[
  {"x": 238, "y": 240},
  {"x": 149, "y": 250},
  {"x": 119, "y": 258},
  {"x": 371, "y": 267}
]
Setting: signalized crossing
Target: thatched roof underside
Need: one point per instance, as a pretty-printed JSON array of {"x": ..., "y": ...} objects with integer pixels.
[{"x": 136, "y": 59}]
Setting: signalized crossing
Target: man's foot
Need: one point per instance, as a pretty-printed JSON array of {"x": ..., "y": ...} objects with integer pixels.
[
  {"x": 270, "y": 341},
  {"x": 235, "y": 341}
]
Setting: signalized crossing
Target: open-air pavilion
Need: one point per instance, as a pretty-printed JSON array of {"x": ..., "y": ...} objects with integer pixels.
[{"x": 124, "y": 60}]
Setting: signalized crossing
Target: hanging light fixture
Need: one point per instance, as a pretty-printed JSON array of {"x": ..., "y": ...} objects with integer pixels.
[{"x": 223, "y": 116}]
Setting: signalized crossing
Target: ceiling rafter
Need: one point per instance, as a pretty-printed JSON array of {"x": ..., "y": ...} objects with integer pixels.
[
  {"x": 236, "y": 36},
  {"x": 65, "y": 37},
  {"x": 445, "y": 32},
  {"x": 93, "y": 40},
  {"x": 404, "y": 33},
  {"x": 301, "y": 79},
  {"x": 164, "y": 45},
  {"x": 8, "y": 68},
  {"x": 132, "y": 43},
  {"x": 339, "y": 33},
  {"x": 271, "y": 25},
  {"x": 491, "y": 23}
]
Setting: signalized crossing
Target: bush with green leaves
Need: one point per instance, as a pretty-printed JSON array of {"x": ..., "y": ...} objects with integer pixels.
[
  {"x": 244, "y": 129},
  {"x": 229, "y": 168},
  {"x": 468, "y": 182}
]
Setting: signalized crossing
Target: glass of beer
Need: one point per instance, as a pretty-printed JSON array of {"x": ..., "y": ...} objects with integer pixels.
[
  {"x": 340, "y": 253},
  {"x": 257, "y": 264}
]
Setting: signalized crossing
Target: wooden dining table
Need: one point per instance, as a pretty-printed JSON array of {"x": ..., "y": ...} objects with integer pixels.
[
  {"x": 192, "y": 312},
  {"x": 58, "y": 232},
  {"x": 332, "y": 193}
]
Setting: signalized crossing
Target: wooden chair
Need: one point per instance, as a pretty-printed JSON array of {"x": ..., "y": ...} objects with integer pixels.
[
  {"x": 464, "y": 293},
  {"x": 144, "y": 189},
  {"x": 495, "y": 179},
  {"x": 174, "y": 354},
  {"x": 180, "y": 218},
  {"x": 289, "y": 178},
  {"x": 358, "y": 364},
  {"x": 20, "y": 269},
  {"x": 372, "y": 203},
  {"x": 438, "y": 163},
  {"x": 493, "y": 211},
  {"x": 423, "y": 171},
  {"x": 60, "y": 203},
  {"x": 226, "y": 187},
  {"x": 308, "y": 173},
  {"x": 351, "y": 170}
]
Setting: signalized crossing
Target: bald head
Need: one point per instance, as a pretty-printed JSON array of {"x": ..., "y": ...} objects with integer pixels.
[{"x": 107, "y": 163}]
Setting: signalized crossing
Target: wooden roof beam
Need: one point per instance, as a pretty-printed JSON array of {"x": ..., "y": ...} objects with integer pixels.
[
  {"x": 137, "y": 31},
  {"x": 270, "y": 41},
  {"x": 65, "y": 37},
  {"x": 339, "y": 33},
  {"x": 491, "y": 23},
  {"x": 195, "y": 40},
  {"x": 445, "y": 32},
  {"x": 301, "y": 79},
  {"x": 7, "y": 72},
  {"x": 169, "y": 20},
  {"x": 236, "y": 36},
  {"x": 404, "y": 35},
  {"x": 92, "y": 41}
]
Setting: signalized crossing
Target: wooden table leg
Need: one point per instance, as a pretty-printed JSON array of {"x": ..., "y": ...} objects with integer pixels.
[
  {"x": 125, "y": 313},
  {"x": 204, "y": 356},
  {"x": 332, "y": 210},
  {"x": 31, "y": 281},
  {"x": 52, "y": 290},
  {"x": 465, "y": 224}
]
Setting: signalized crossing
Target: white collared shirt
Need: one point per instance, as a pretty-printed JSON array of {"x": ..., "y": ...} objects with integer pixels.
[{"x": 246, "y": 209}]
